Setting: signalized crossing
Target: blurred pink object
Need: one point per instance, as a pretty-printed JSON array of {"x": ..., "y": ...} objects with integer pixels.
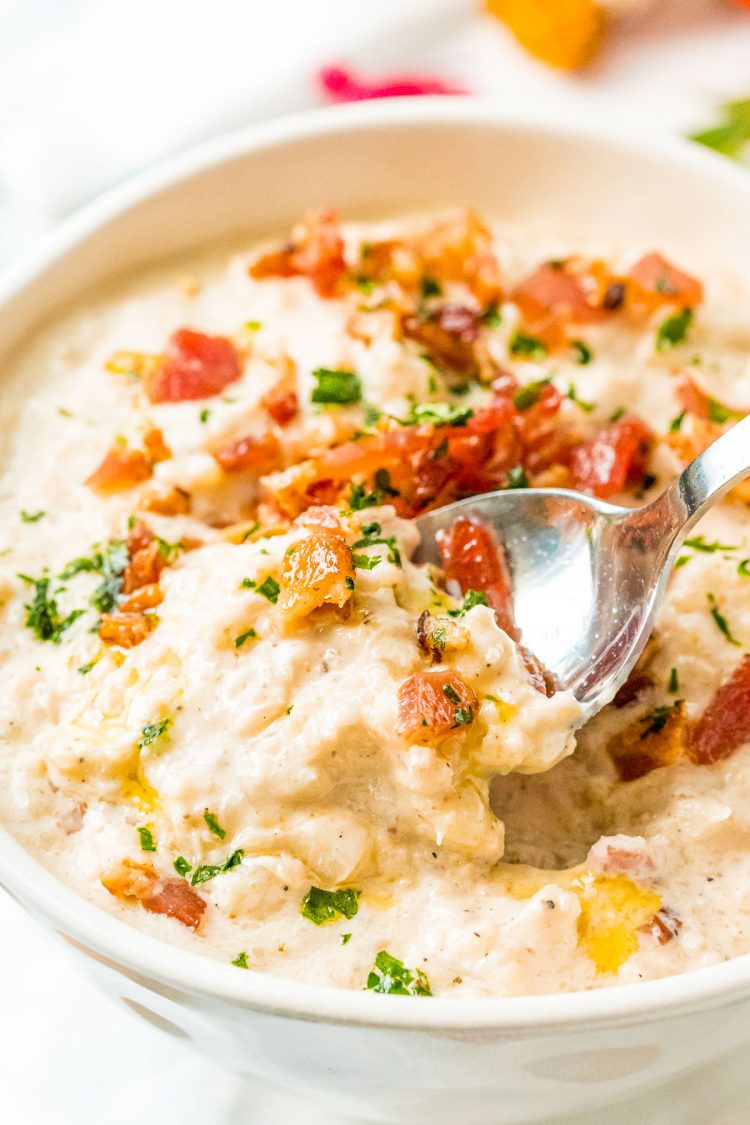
[{"x": 340, "y": 85}]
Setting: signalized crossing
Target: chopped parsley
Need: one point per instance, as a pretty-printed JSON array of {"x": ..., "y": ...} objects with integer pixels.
[
  {"x": 528, "y": 396},
  {"x": 31, "y": 517},
  {"x": 86, "y": 668},
  {"x": 336, "y": 387},
  {"x": 430, "y": 287},
  {"x": 365, "y": 562},
  {"x": 451, "y": 693},
  {"x": 492, "y": 316},
  {"x": 471, "y": 598},
  {"x": 253, "y": 325},
  {"x": 241, "y": 961},
  {"x": 147, "y": 839},
  {"x": 676, "y": 423},
  {"x": 360, "y": 498},
  {"x": 390, "y": 975},
  {"x": 181, "y": 866},
  {"x": 673, "y": 685},
  {"x": 656, "y": 720},
  {"x": 246, "y": 636},
  {"x": 681, "y": 561},
  {"x": 463, "y": 716},
  {"x": 673, "y": 330},
  {"x": 720, "y": 414},
  {"x": 517, "y": 477},
  {"x": 153, "y": 731},
  {"x": 42, "y": 612},
  {"x": 213, "y": 824},
  {"x": 250, "y": 531},
  {"x": 743, "y": 568},
  {"x": 583, "y": 352},
  {"x": 572, "y": 394},
  {"x": 530, "y": 347},
  {"x": 349, "y": 582},
  {"x": 698, "y": 543},
  {"x": 111, "y": 561},
  {"x": 439, "y": 414},
  {"x": 206, "y": 871},
  {"x": 721, "y": 621},
  {"x": 732, "y": 133},
  {"x": 205, "y": 414},
  {"x": 618, "y": 413},
  {"x": 269, "y": 588},
  {"x": 372, "y": 536},
  {"x": 345, "y": 939},
  {"x": 321, "y": 906}
]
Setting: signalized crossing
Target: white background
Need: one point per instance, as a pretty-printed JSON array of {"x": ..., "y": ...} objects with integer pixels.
[{"x": 93, "y": 90}]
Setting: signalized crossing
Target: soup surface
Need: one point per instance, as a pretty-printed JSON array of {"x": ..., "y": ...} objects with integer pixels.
[{"x": 234, "y": 711}]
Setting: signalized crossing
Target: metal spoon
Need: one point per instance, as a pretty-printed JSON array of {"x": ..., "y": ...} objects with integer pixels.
[{"x": 587, "y": 576}]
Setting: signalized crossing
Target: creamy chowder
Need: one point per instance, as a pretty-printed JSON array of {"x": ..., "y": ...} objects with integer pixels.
[{"x": 236, "y": 713}]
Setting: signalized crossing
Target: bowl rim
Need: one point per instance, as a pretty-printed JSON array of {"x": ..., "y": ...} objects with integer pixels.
[{"x": 184, "y": 973}]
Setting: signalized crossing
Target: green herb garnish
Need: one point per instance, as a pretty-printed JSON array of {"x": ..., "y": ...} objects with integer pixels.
[
  {"x": 572, "y": 394},
  {"x": 321, "y": 906},
  {"x": 698, "y": 543},
  {"x": 673, "y": 330},
  {"x": 241, "y": 961},
  {"x": 360, "y": 498},
  {"x": 42, "y": 613},
  {"x": 391, "y": 976},
  {"x": 153, "y": 731},
  {"x": 732, "y": 133},
  {"x": 147, "y": 839},
  {"x": 430, "y": 287},
  {"x": 205, "y": 414},
  {"x": 206, "y": 871},
  {"x": 528, "y": 396},
  {"x": 656, "y": 720},
  {"x": 517, "y": 477},
  {"x": 246, "y": 636},
  {"x": 31, "y": 517},
  {"x": 584, "y": 354},
  {"x": 336, "y": 386},
  {"x": 676, "y": 423},
  {"x": 181, "y": 866},
  {"x": 438, "y": 413},
  {"x": 371, "y": 537},
  {"x": 345, "y": 939},
  {"x": 674, "y": 683},
  {"x": 743, "y": 568},
  {"x": 530, "y": 347},
  {"x": 721, "y": 621},
  {"x": 365, "y": 562},
  {"x": 213, "y": 824}
]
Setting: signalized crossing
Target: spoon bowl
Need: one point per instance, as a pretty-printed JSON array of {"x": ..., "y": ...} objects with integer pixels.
[{"x": 587, "y": 577}]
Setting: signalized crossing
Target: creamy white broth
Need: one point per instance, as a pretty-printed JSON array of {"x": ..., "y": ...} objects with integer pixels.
[{"x": 290, "y": 738}]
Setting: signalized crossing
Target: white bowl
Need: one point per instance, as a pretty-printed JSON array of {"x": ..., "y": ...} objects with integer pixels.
[{"x": 389, "y": 1058}]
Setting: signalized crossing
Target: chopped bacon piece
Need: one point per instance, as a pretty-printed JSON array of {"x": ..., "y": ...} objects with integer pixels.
[
  {"x": 195, "y": 366},
  {"x": 450, "y": 336},
  {"x": 460, "y": 248},
  {"x": 570, "y": 291},
  {"x": 614, "y": 457},
  {"x": 155, "y": 446},
  {"x": 623, "y": 855},
  {"x": 321, "y": 515},
  {"x": 472, "y": 557},
  {"x": 656, "y": 739},
  {"x": 157, "y": 894},
  {"x": 281, "y": 402},
  {"x": 318, "y": 570},
  {"x": 258, "y": 455},
  {"x": 316, "y": 251},
  {"x": 725, "y": 724},
  {"x": 121, "y": 469},
  {"x": 146, "y": 560},
  {"x": 636, "y": 683},
  {"x": 653, "y": 282},
  {"x": 144, "y": 598},
  {"x": 432, "y": 704},
  {"x": 174, "y": 502},
  {"x": 664, "y": 925},
  {"x": 126, "y": 630},
  {"x": 690, "y": 396}
]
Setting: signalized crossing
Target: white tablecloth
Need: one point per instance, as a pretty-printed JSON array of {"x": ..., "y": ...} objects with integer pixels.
[{"x": 91, "y": 90}]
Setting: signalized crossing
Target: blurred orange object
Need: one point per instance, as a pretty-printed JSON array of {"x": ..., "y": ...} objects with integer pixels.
[{"x": 563, "y": 33}]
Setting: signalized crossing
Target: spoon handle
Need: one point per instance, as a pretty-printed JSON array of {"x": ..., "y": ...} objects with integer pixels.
[{"x": 705, "y": 480}]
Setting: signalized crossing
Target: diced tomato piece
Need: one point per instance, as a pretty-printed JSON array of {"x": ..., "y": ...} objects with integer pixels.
[
  {"x": 258, "y": 455},
  {"x": 121, "y": 469},
  {"x": 653, "y": 282},
  {"x": 159, "y": 895},
  {"x": 570, "y": 291},
  {"x": 614, "y": 457},
  {"x": 195, "y": 366},
  {"x": 472, "y": 557},
  {"x": 433, "y": 704},
  {"x": 725, "y": 724},
  {"x": 126, "y": 630},
  {"x": 316, "y": 251},
  {"x": 318, "y": 570}
]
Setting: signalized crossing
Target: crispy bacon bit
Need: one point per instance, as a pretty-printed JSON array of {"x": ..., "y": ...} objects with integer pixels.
[
  {"x": 174, "y": 502},
  {"x": 195, "y": 366},
  {"x": 144, "y": 598},
  {"x": 459, "y": 248},
  {"x": 664, "y": 925},
  {"x": 725, "y": 724},
  {"x": 321, "y": 515},
  {"x": 570, "y": 291},
  {"x": 318, "y": 570},
  {"x": 126, "y": 630},
  {"x": 155, "y": 446},
  {"x": 614, "y": 457},
  {"x": 433, "y": 704},
  {"x": 690, "y": 396},
  {"x": 258, "y": 455},
  {"x": 438, "y": 635},
  {"x": 637, "y": 682},
  {"x": 316, "y": 251},
  {"x": 623, "y": 855},
  {"x": 656, "y": 739},
  {"x": 654, "y": 282},
  {"x": 281, "y": 401},
  {"x": 472, "y": 557},
  {"x": 121, "y": 469},
  {"x": 452, "y": 337},
  {"x": 146, "y": 561},
  {"x": 157, "y": 894}
]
